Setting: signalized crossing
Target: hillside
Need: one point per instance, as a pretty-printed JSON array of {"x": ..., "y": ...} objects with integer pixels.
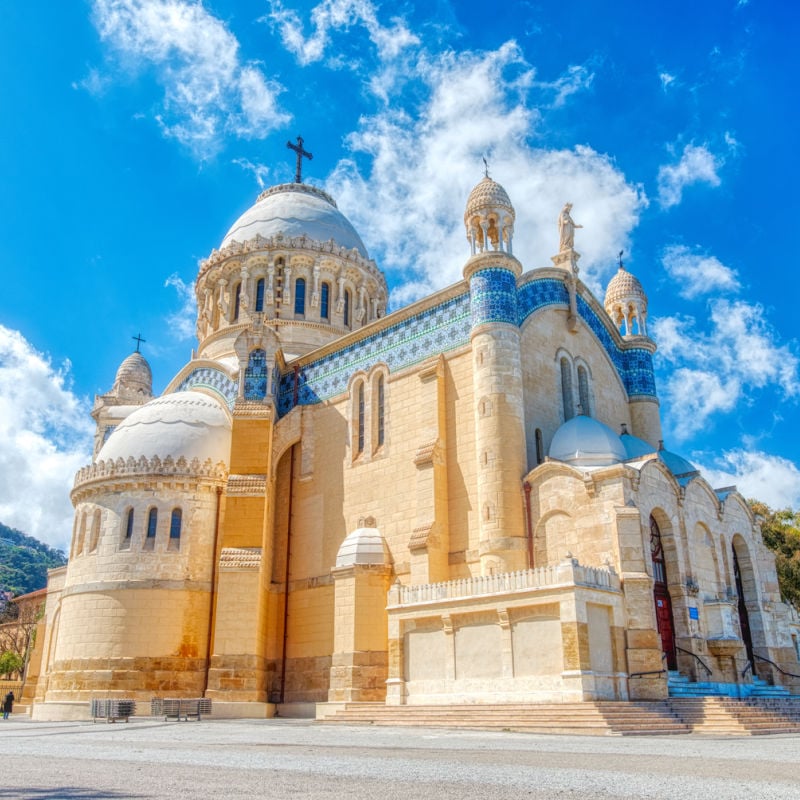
[{"x": 24, "y": 562}]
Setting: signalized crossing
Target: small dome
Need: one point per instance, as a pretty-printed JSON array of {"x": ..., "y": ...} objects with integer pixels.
[
  {"x": 625, "y": 286},
  {"x": 363, "y": 546},
  {"x": 636, "y": 447},
  {"x": 134, "y": 376},
  {"x": 487, "y": 194},
  {"x": 677, "y": 465},
  {"x": 189, "y": 424},
  {"x": 295, "y": 209},
  {"x": 586, "y": 442}
]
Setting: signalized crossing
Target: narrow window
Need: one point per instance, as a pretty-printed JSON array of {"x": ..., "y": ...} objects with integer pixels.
[
  {"x": 539, "y": 446},
  {"x": 237, "y": 301},
  {"x": 325, "y": 303},
  {"x": 175, "y": 529},
  {"x": 300, "y": 296},
  {"x": 152, "y": 525},
  {"x": 260, "y": 295},
  {"x": 380, "y": 411},
  {"x": 347, "y": 308},
  {"x": 81, "y": 535},
  {"x": 361, "y": 418},
  {"x": 126, "y": 540},
  {"x": 95, "y": 531},
  {"x": 583, "y": 391},
  {"x": 566, "y": 389}
]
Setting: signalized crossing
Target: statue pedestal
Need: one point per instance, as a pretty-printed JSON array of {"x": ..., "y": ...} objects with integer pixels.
[{"x": 567, "y": 259}]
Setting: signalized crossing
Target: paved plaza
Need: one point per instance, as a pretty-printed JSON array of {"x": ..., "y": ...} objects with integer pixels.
[{"x": 149, "y": 758}]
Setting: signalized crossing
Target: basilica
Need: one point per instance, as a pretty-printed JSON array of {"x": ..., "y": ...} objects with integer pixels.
[{"x": 466, "y": 500}]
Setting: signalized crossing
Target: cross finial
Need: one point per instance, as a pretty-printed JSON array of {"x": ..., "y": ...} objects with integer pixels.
[
  {"x": 298, "y": 148},
  {"x": 139, "y": 340},
  {"x": 620, "y": 259},
  {"x": 485, "y": 167}
]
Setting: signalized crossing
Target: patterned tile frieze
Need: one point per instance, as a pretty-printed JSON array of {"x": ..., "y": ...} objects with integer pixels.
[
  {"x": 435, "y": 330},
  {"x": 493, "y": 296},
  {"x": 210, "y": 378},
  {"x": 634, "y": 366}
]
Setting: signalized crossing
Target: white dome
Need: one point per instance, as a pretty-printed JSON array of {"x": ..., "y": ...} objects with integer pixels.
[
  {"x": 188, "y": 424},
  {"x": 295, "y": 209},
  {"x": 586, "y": 442},
  {"x": 363, "y": 546}
]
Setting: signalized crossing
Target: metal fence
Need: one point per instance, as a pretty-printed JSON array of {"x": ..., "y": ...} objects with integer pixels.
[
  {"x": 112, "y": 709},
  {"x": 180, "y": 708}
]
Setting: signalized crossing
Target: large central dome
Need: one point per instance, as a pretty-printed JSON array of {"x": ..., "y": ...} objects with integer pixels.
[{"x": 295, "y": 209}]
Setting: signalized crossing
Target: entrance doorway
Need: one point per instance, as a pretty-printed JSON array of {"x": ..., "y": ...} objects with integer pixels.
[
  {"x": 744, "y": 619},
  {"x": 664, "y": 621}
]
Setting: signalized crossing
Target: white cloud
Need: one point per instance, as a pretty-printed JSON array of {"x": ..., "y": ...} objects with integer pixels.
[
  {"x": 576, "y": 79},
  {"x": 208, "y": 91},
  {"x": 666, "y": 80},
  {"x": 45, "y": 437},
  {"x": 712, "y": 371},
  {"x": 697, "y": 273},
  {"x": 410, "y": 202},
  {"x": 771, "y": 479},
  {"x": 182, "y": 322},
  {"x": 338, "y": 15},
  {"x": 696, "y": 165},
  {"x": 260, "y": 171}
]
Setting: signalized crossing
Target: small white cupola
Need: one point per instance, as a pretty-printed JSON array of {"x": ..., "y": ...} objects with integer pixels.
[{"x": 489, "y": 218}]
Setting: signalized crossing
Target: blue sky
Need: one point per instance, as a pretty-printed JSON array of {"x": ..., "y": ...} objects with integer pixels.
[{"x": 135, "y": 132}]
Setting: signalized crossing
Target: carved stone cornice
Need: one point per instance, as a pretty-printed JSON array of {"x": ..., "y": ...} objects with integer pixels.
[
  {"x": 246, "y": 485},
  {"x": 240, "y": 559}
]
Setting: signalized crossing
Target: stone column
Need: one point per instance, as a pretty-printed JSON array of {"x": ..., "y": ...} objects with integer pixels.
[
  {"x": 499, "y": 412},
  {"x": 359, "y": 667}
]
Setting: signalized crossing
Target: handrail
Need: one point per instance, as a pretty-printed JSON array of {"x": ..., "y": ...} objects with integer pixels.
[
  {"x": 651, "y": 672},
  {"x": 697, "y": 658},
  {"x": 747, "y": 666},
  {"x": 782, "y": 671}
]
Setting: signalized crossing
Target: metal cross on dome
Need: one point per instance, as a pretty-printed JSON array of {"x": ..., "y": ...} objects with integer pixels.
[
  {"x": 298, "y": 148},
  {"x": 139, "y": 340}
]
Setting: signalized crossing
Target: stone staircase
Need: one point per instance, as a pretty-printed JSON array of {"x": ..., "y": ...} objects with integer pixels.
[
  {"x": 704, "y": 715},
  {"x": 748, "y": 717},
  {"x": 591, "y": 718},
  {"x": 680, "y": 686}
]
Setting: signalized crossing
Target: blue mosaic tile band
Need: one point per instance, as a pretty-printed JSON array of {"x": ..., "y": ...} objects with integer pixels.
[
  {"x": 433, "y": 331},
  {"x": 210, "y": 378},
  {"x": 635, "y": 366},
  {"x": 493, "y": 296},
  {"x": 255, "y": 376}
]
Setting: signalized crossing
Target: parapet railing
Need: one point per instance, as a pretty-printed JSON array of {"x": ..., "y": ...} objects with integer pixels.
[{"x": 567, "y": 573}]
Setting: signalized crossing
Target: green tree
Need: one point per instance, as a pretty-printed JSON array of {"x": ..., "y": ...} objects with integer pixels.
[
  {"x": 10, "y": 663},
  {"x": 781, "y": 533}
]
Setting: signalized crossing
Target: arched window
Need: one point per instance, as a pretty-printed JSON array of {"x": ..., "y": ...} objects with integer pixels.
[
  {"x": 325, "y": 301},
  {"x": 95, "y": 536},
  {"x": 237, "y": 300},
  {"x": 255, "y": 376},
  {"x": 566, "y": 389},
  {"x": 175, "y": 529},
  {"x": 152, "y": 526},
  {"x": 361, "y": 420},
  {"x": 128, "y": 533},
  {"x": 583, "y": 391},
  {"x": 300, "y": 296},
  {"x": 380, "y": 409},
  {"x": 260, "y": 294},
  {"x": 347, "y": 298}
]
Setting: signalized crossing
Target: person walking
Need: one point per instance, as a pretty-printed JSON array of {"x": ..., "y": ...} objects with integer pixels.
[{"x": 8, "y": 704}]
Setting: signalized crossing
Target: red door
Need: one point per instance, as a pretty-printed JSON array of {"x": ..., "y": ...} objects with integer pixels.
[{"x": 664, "y": 622}]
